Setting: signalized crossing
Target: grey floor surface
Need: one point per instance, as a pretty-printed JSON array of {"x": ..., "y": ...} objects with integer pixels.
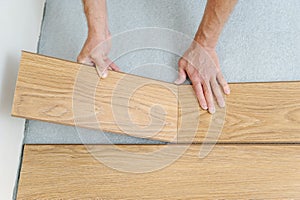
[{"x": 261, "y": 42}]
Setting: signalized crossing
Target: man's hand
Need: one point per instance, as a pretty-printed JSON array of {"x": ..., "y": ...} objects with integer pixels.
[
  {"x": 202, "y": 67},
  {"x": 200, "y": 62},
  {"x": 97, "y": 46},
  {"x": 95, "y": 52}
]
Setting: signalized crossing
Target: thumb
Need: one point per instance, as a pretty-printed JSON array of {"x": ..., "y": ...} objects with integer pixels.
[{"x": 181, "y": 72}]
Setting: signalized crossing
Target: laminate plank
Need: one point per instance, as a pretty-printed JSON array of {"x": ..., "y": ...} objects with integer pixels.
[
  {"x": 68, "y": 93},
  {"x": 230, "y": 171}
]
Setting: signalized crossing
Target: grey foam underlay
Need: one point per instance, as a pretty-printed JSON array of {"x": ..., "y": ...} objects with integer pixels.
[{"x": 261, "y": 42}]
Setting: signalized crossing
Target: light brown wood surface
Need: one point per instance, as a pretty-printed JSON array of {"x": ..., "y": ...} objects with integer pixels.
[
  {"x": 230, "y": 171},
  {"x": 254, "y": 113},
  {"x": 68, "y": 93}
]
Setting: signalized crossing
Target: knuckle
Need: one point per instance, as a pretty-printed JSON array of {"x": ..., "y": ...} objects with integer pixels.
[
  {"x": 205, "y": 77},
  {"x": 206, "y": 83},
  {"x": 80, "y": 59},
  {"x": 195, "y": 79},
  {"x": 93, "y": 56},
  {"x": 181, "y": 62},
  {"x": 206, "y": 91}
]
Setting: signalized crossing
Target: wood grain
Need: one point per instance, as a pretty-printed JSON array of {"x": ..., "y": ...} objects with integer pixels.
[
  {"x": 228, "y": 172},
  {"x": 254, "y": 113},
  {"x": 68, "y": 93}
]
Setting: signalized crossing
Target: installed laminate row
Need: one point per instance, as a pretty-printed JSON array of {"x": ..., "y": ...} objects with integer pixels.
[{"x": 230, "y": 171}]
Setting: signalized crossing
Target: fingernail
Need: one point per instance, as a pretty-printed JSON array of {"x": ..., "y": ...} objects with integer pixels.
[
  {"x": 204, "y": 107},
  {"x": 227, "y": 91},
  {"x": 177, "y": 81},
  {"x": 104, "y": 74},
  {"x": 212, "y": 110}
]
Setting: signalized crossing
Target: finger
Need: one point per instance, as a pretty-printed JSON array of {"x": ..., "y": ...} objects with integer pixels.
[
  {"x": 196, "y": 81},
  {"x": 181, "y": 77},
  {"x": 181, "y": 71},
  {"x": 200, "y": 96},
  {"x": 217, "y": 92},
  {"x": 112, "y": 65},
  {"x": 85, "y": 61},
  {"x": 102, "y": 72},
  {"x": 209, "y": 97},
  {"x": 223, "y": 83},
  {"x": 101, "y": 67}
]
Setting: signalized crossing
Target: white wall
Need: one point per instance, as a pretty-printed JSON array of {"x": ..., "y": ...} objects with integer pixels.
[{"x": 19, "y": 29}]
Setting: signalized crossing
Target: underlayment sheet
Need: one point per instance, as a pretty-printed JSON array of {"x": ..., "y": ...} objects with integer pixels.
[{"x": 261, "y": 42}]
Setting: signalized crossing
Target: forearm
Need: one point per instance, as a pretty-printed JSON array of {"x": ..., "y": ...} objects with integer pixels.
[
  {"x": 96, "y": 15},
  {"x": 215, "y": 16}
]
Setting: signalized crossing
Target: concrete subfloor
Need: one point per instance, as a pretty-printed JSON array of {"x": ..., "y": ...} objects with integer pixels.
[{"x": 261, "y": 42}]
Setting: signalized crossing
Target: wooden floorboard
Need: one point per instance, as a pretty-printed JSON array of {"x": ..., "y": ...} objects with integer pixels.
[
  {"x": 68, "y": 93},
  {"x": 230, "y": 171}
]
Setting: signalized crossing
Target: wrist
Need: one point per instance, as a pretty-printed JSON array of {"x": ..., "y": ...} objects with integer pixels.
[
  {"x": 97, "y": 25},
  {"x": 96, "y": 37},
  {"x": 96, "y": 33},
  {"x": 205, "y": 40}
]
